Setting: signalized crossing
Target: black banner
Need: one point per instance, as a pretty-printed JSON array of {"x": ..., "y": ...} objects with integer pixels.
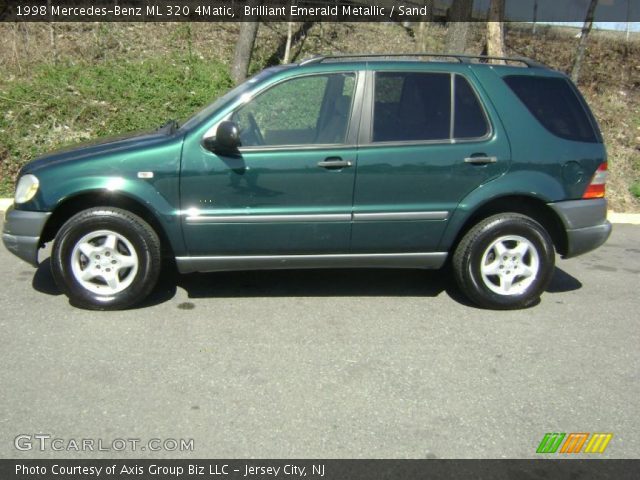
[
  {"x": 319, "y": 469},
  {"x": 302, "y": 10}
]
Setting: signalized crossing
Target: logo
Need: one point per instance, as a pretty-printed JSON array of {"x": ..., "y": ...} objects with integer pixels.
[{"x": 573, "y": 442}]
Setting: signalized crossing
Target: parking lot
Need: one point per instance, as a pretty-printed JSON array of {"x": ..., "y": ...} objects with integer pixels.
[{"x": 325, "y": 364}]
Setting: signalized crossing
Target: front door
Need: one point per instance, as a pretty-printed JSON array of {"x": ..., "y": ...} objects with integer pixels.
[{"x": 290, "y": 189}]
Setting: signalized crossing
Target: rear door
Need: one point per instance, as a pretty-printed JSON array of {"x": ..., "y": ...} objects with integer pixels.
[{"x": 428, "y": 138}]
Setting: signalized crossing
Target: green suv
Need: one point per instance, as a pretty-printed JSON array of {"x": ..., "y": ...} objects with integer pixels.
[{"x": 336, "y": 162}]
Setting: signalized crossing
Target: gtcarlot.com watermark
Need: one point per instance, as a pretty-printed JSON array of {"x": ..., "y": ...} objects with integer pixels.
[{"x": 45, "y": 442}]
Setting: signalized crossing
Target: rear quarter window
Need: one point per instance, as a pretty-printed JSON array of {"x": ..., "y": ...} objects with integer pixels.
[
  {"x": 470, "y": 120},
  {"x": 556, "y": 105}
]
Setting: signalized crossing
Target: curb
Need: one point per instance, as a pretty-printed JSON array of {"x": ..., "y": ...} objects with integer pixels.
[
  {"x": 5, "y": 203},
  {"x": 628, "y": 218}
]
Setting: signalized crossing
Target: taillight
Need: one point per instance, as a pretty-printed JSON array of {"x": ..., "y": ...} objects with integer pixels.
[{"x": 596, "y": 188}]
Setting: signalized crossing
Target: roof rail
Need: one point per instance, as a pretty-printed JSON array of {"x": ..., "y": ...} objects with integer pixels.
[{"x": 460, "y": 58}]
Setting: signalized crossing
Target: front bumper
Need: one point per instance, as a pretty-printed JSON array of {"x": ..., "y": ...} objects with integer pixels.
[
  {"x": 586, "y": 224},
  {"x": 21, "y": 233}
]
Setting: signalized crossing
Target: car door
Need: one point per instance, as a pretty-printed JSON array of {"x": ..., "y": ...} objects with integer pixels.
[
  {"x": 427, "y": 142},
  {"x": 289, "y": 190}
]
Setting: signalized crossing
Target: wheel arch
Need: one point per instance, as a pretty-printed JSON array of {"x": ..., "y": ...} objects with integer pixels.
[
  {"x": 531, "y": 206},
  {"x": 72, "y": 205}
]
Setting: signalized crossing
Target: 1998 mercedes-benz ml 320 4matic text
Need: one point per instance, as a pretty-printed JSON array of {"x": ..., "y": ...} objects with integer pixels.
[{"x": 336, "y": 162}]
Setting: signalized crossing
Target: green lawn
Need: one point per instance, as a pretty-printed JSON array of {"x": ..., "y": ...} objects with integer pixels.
[{"x": 61, "y": 104}]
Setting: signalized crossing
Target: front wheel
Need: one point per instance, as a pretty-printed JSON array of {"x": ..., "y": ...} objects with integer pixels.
[
  {"x": 505, "y": 262},
  {"x": 106, "y": 259}
]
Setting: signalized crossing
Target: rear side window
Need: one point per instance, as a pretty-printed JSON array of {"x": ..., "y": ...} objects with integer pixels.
[
  {"x": 556, "y": 105},
  {"x": 411, "y": 106},
  {"x": 415, "y": 106}
]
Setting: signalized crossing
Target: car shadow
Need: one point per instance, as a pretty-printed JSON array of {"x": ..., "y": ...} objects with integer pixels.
[
  {"x": 305, "y": 283},
  {"x": 562, "y": 282},
  {"x": 314, "y": 283},
  {"x": 43, "y": 279}
]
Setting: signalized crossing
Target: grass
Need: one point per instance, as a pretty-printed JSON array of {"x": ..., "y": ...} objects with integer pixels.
[{"x": 62, "y": 104}]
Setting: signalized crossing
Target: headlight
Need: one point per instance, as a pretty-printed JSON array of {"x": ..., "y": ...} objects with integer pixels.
[{"x": 26, "y": 188}]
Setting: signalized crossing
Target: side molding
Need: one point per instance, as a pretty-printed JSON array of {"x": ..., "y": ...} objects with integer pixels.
[
  {"x": 331, "y": 217},
  {"x": 432, "y": 260}
]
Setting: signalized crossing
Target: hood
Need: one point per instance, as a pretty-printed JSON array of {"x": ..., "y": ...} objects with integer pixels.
[{"x": 101, "y": 147}]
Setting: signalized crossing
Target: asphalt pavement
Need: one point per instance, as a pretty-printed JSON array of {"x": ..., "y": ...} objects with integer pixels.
[{"x": 324, "y": 364}]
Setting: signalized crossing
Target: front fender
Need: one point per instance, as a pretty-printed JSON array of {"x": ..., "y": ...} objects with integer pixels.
[{"x": 146, "y": 194}]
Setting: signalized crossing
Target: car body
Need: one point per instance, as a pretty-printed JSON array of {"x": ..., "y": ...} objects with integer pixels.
[{"x": 334, "y": 162}]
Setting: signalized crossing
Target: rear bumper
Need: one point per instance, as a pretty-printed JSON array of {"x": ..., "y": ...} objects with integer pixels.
[
  {"x": 21, "y": 233},
  {"x": 586, "y": 224},
  {"x": 584, "y": 240}
]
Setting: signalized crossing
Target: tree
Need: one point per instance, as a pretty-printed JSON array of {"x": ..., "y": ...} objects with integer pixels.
[
  {"x": 421, "y": 37},
  {"x": 287, "y": 48},
  {"x": 582, "y": 46},
  {"x": 52, "y": 35},
  {"x": 495, "y": 30},
  {"x": 244, "y": 47},
  {"x": 459, "y": 14}
]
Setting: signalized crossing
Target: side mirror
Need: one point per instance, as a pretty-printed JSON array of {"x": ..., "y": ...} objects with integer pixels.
[{"x": 226, "y": 141}]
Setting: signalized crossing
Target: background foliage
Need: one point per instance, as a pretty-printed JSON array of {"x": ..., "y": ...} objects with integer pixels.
[{"x": 64, "y": 83}]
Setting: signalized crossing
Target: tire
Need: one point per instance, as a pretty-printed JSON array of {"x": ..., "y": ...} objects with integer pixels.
[
  {"x": 106, "y": 258},
  {"x": 504, "y": 262}
]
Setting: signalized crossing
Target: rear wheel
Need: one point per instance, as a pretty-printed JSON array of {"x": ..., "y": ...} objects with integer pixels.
[
  {"x": 505, "y": 262},
  {"x": 106, "y": 259}
]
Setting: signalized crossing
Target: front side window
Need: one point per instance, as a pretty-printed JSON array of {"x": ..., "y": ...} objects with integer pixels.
[{"x": 308, "y": 110}]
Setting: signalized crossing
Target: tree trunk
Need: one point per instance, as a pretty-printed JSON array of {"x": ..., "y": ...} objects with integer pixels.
[
  {"x": 460, "y": 10},
  {"x": 582, "y": 46},
  {"x": 244, "y": 48},
  {"x": 457, "y": 37},
  {"x": 422, "y": 28},
  {"x": 52, "y": 35},
  {"x": 495, "y": 31},
  {"x": 628, "y": 16},
  {"x": 459, "y": 14},
  {"x": 287, "y": 48}
]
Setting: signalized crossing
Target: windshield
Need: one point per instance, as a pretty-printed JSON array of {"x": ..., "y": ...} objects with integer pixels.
[{"x": 207, "y": 111}]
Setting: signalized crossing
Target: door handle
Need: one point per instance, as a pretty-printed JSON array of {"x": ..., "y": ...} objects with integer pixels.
[
  {"x": 480, "y": 160},
  {"x": 334, "y": 163}
]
